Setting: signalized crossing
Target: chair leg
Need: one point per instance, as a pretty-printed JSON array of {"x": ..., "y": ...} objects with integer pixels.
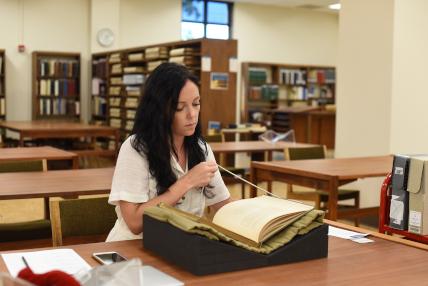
[
  {"x": 243, "y": 190},
  {"x": 357, "y": 206}
]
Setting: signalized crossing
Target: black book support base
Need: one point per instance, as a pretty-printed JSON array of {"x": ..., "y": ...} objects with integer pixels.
[{"x": 200, "y": 255}]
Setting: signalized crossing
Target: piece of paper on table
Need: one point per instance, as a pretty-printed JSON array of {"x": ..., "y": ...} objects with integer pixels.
[
  {"x": 66, "y": 260},
  {"x": 347, "y": 234}
]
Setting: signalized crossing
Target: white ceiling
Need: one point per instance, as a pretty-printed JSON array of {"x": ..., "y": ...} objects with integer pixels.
[{"x": 306, "y": 4}]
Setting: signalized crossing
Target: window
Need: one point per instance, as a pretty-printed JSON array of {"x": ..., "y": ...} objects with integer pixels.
[{"x": 206, "y": 19}]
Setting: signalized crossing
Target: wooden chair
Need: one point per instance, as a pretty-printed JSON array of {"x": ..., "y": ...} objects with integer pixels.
[
  {"x": 228, "y": 178},
  {"x": 81, "y": 220},
  {"x": 34, "y": 229},
  {"x": 318, "y": 196}
]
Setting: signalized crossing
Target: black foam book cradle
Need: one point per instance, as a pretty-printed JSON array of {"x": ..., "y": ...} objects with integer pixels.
[{"x": 200, "y": 255}]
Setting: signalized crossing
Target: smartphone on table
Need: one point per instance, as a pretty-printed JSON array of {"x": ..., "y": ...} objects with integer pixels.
[{"x": 108, "y": 257}]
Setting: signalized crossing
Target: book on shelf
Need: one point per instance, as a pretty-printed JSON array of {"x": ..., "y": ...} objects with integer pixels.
[
  {"x": 114, "y": 101},
  {"x": 116, "y": 69},
  {"x": 129, "y": 125},
  {"x": 98, "y": 86},
  {"x": 114, "y": 58},
  {"x": 58, "y": 87},
  {"x": 182, "y": 51},
  {"x": 322, "y": 76},
  {"x": 133, "y": 69},
  {"x": 154, "y": 64},
  {"x": 99, "y": 106},
  {"x": 136, "y": 57},
  {"x": 130, "y": 114},
  {"x": 269, "y": 92},
  {"x": 114, "y": 90},
  {"x": 131, "y": 102},
  {"x": 114, "y": 112},
  {"x": 292, "y": 76},
  {"x": 115, "y": 80},
  {"x": 99, "y": 68},
  {"x": 59, "y": 68},
  {"x": 257, "y": 76},
  {"x": 156, "y": 53},
  {"x": 115, "y": 122},
  {"x": 1, "y": 65},
  {"x": 133, "y": 91},
  {"x": 133, "y": 79},
  {"x": 185, "y": 60}
]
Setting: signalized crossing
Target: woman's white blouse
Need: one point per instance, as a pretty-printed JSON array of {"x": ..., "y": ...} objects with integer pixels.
[{"x": 133, "y": 183}]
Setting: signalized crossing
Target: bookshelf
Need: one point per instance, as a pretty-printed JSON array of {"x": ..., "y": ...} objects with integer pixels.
[
  {"x": 56, "y": 85},
  {"x": 267, "y": 87},
  {"x": 124, "y": 72},
  {"x": 2, "y": 85}
]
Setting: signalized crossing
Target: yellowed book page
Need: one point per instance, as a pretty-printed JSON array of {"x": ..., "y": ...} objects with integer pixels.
[{"x": 247, "y": 217}]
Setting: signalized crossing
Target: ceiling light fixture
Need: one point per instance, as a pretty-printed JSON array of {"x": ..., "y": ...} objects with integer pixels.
[{"x": 334, "y": 6}]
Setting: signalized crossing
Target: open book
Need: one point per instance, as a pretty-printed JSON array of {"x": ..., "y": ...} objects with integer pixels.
[
  {"x": 259, "y": 218},
  {"x": 252, "y": 221}
]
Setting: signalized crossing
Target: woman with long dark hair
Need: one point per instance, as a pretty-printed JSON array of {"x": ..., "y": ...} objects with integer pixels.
[{"x": 165, "y": 159}]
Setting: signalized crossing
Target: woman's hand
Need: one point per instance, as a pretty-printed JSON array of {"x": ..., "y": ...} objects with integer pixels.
[{"x": 201, "y": 174}]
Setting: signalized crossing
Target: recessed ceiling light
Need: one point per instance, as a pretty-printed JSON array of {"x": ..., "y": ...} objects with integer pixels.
[{"x": 334, "y": 6}]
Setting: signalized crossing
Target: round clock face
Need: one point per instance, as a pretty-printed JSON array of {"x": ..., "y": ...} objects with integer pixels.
[{"x": 105, "y": 37}]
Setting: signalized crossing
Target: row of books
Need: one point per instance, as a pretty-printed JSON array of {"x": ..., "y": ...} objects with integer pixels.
[
  {"x": 187, "y": 51},
  {"x": 117, "y": 122},
  {"x": 129, "y": 91},
  {"x": 58, "y": 106},
  {"x": 322, "y": 76},
  {"x": 292, "y": 76},
  {"x": 99, "y": 68},
  {"x": 2, "y": 106},
  {"x": 275, "y": 92},
  {"x": 264, "y": 92},
  {"x": 257, "y": 76},
  {"x": 135, "y": 57},
  {"x": 58, "y": 87},
  {"x": 114, "y": 101},
  {"x": 59, "y": 68},
  {"x": 114, "y": 112},
  {"x": 99, "y": 86},
  {"x": 154, "y": 64},
  {"x": 186, "y": 60},
  {"x": 156, "y": 53},
  {"x": 114, "y": 58}
]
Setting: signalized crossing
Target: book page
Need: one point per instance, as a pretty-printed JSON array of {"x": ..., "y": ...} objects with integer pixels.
[
  {"x": 66, "y": 260},
  {"x": 247, "y": 217}
]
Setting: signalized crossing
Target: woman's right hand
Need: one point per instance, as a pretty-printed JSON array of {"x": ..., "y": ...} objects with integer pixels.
[{"x": 201, "y": 174}]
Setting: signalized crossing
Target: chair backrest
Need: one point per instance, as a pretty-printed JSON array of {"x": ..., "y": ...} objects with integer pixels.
[
  {"x": 216, "y": 137},
  {"x": 80, "y": 217},
  {"x": 303, "y": 153},
  {"x": 23, "y": 166}
]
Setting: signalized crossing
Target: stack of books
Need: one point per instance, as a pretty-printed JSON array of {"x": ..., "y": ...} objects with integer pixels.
[
  {"x": 156, "y": 53},
  {"x": 136, "y": 57}
]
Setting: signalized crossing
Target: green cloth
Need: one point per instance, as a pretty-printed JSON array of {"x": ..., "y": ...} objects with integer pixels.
[{"x": 193, "y": 224}]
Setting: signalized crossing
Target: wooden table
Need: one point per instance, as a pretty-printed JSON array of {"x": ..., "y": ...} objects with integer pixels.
[
  {"x": 63, "y": 183},
  {"x": 387, "y": 261},
  {"x": 49, "y": 129},
  {"x": 253, "y": 146},
  {"x": 324, "y": 174},
  {"x": 37, "y": 153}
]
